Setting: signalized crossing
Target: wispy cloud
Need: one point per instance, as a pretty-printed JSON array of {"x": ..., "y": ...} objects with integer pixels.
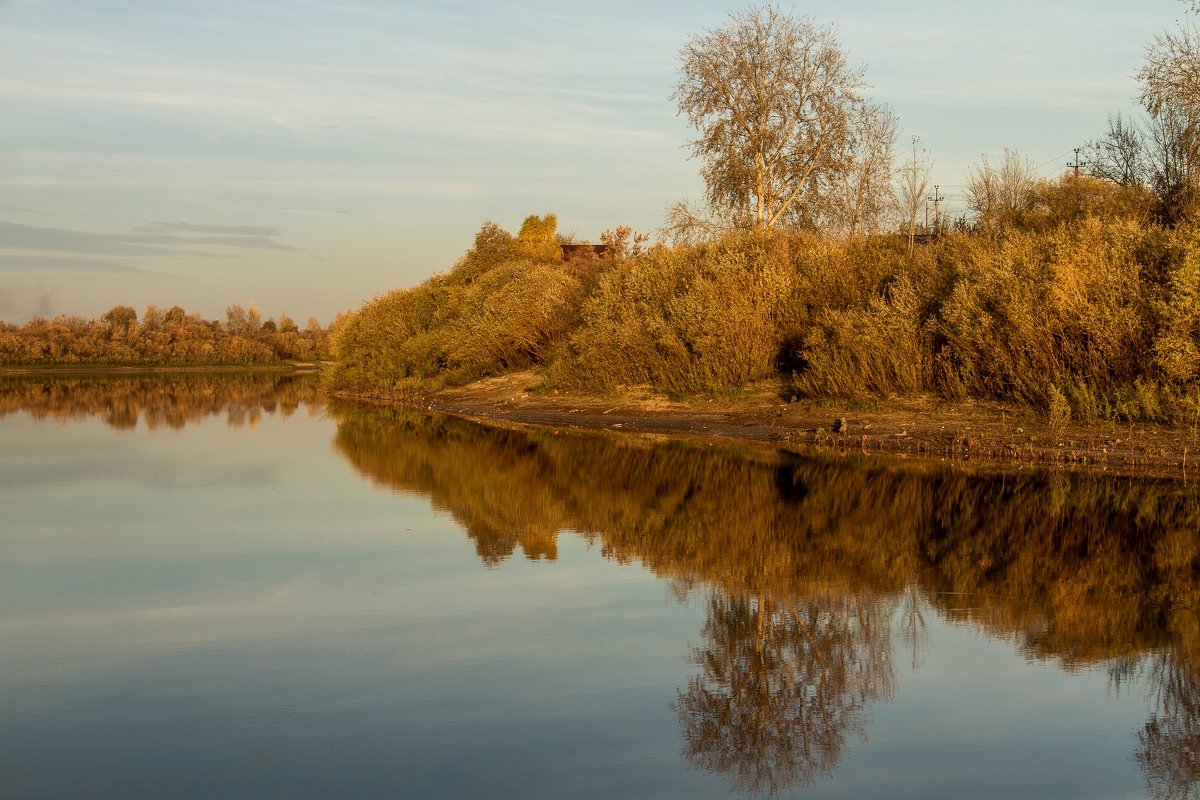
[
  {"x": 19, "y": 210},
  {"x": 16, "y": 236},
  {"x": 188, "y": 227},
  {"x": 38, "y": 262}
]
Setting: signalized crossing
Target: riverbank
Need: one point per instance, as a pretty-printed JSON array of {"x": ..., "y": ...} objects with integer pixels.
[{"x": 968, "y": 432}]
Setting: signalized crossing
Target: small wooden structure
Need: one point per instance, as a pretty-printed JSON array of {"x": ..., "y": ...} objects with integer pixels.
[{"x": 583, "y": 250}]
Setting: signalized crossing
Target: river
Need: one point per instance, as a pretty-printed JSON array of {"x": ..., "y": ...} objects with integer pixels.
[{"x": 225, "y": 586}]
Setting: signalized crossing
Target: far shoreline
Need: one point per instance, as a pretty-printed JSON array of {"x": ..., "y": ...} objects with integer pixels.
[{"x": 84, "y": 370}]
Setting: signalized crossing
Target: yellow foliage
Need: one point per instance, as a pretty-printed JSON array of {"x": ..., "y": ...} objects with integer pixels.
[{"x": 1083, "y": 306}]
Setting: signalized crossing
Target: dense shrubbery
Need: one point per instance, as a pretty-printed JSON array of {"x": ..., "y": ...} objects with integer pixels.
[
  {"x": 162, "y": 337},
  {"x": 509, "y": 303},
  {"x": 1071, "y": 301}
]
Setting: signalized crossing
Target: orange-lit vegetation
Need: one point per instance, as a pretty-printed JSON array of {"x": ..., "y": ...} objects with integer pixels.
[
  {"x": 162, "y": 337},
  {"x": 509, "y": 303},
  {"x": 1069, "y": 299}
]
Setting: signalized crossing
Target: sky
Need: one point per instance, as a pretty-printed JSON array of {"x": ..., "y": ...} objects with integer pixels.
[{"x": 308, "y": 155}]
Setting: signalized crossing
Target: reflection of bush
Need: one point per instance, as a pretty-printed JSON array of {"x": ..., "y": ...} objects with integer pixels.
[
  {"x": 160, "y": 401},
  {"x": 1078, "y": 567},
  {"x": 439, "y": 457},
  {"x": 812, "y": 561}
]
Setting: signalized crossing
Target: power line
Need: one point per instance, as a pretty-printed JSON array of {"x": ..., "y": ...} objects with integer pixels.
[{"x": 1056, "y": 158}]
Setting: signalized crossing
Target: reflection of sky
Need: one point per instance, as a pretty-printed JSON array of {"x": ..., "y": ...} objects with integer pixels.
[{"x": 307, "y": 635}]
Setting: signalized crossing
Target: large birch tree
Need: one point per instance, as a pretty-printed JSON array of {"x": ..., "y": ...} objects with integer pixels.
[{"x": 774, "y": 101}]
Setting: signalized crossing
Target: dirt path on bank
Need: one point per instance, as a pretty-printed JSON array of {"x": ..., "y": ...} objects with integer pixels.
[{"x": 971, "y": 433}]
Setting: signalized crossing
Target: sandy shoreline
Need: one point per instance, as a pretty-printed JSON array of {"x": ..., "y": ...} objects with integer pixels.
[{"x": 972, "y": 434}]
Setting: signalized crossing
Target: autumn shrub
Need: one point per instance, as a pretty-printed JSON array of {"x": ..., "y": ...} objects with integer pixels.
[
  {"x": 512, "y": 317},
  {"x": 505, "y": 305},
  {"x": 1034, "y": 310},
  {"x": 881, "y": 350},
  {"x": 1079, "y": 306},
  {"x": 687, "y": 319},
  {"x": 1074, "y": 198},
  {"x": 1177, "y": 343},
  {"x": 395, "y": 337}
]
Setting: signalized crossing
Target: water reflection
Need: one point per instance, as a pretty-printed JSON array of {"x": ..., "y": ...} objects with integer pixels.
[
  {"x": 809, "y": 565},
  {"x": 161, "y": 400},
  {"x": 783, "y": 684},
  {"x": 1169, "y": 752}
]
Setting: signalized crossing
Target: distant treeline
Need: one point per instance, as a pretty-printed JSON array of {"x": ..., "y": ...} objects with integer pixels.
[
  {"x": 1070, "y": 297},
  {"x": 162, "y": 336}
]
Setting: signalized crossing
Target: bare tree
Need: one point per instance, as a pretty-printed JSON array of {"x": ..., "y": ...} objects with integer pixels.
[
  {"x": 913, "y": 188},
  {"x": 856, "y": 194},
  {"x": 996, "y": 194},
  {"x": 1174, "y": 163},
  {"x": 773, "y": 99},
  {"x": 1120, "y": 156},
  {"x": 689, "y": 222},
  {"x": 1170, "y": 81}
]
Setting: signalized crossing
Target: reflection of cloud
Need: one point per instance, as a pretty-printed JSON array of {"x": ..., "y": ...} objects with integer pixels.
[
  {"x": 159, "y": 475},
  {"x": 250, "y": 476}
]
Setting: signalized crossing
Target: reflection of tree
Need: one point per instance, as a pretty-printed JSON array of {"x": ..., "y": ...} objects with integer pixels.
[
  {"x": 167, "y": 400},
  {"x": 1080, "y": 568},
  {"x": 1083, "y": 569},
  {"x": 783, "y": 684},
  {"x": 913, "y": 628},
  {"x": 1169, "y": 752}
]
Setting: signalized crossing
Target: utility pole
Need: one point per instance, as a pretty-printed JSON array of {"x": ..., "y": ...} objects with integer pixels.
[
  {"x": 937, "y": 199},
  {"x": 1076, "y": 164}
]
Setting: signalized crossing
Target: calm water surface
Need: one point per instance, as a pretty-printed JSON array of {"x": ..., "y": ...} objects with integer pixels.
[{"x": 223, "y": 587}]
